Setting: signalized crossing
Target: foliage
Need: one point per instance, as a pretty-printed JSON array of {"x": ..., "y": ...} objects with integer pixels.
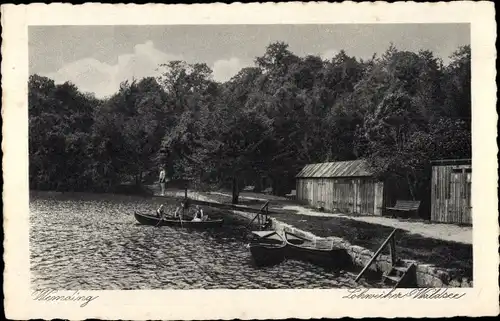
[{"x": 399, "y": 111}]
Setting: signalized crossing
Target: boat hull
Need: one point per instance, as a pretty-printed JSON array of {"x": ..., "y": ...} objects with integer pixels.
[
  {"x": 326, "y": 258},
  {"x": 145, "y": 219},
  {"x": 335, "y": 258},
  {"x": 267, "y": 254},
  {"x": 267, "y": 248}
]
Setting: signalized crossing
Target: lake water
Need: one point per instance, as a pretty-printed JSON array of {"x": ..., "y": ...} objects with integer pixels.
[{"x": 92, "y": 242}]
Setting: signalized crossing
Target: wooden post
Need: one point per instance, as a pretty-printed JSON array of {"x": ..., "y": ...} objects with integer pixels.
[
  {"x": 252, "y": 220},
  {"x": 263, "y": 215},
  {"x": 392, "y": 249},
  {"x": 264, "y": 206},
  {"x": 376, "y": 255}
]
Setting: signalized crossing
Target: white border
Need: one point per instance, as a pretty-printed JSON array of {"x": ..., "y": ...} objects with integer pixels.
[{"x": 246, "y": 304}]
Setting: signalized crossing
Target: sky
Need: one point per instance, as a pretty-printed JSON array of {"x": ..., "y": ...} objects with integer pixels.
[{"x": 98, "y": 58}]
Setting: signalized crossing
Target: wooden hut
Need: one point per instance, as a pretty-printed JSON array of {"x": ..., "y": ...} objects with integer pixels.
[
  {"x": 451, "y": 191},
  {"x": 347, "y": 187}
]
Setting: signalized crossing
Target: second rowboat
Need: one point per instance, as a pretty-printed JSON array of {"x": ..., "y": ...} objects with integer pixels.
[{"x": 320, "y": 252}]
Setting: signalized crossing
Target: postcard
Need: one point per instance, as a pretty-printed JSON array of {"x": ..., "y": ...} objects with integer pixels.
[{"x": 249, "y": 161}]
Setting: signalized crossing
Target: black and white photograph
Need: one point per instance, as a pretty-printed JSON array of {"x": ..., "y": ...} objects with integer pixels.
[{"x": 251, "y": 157}]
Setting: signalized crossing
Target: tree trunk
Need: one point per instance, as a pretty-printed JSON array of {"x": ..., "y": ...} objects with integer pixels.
[
  {"x": 273, "y": 184},
  {"x": 236, "y": 190},
  {"x": 411, "y": 186},
  {"x": 138, "y": 177},
  {"x": 258, "y": 185}
]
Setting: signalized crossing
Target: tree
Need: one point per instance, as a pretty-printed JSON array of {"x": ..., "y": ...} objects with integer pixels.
[
  {"x": 128, "y": 130},
  {"x": 408, "y": 119},
  {"x": 60, "y": 123},
  {"x": 191, "y": 91},
  {"x": 399, "y": 111},
  {"x": 457, "y": 85}
]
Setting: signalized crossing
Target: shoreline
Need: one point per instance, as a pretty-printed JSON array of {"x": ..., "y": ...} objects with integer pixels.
[{"x": 428, "y": 274}]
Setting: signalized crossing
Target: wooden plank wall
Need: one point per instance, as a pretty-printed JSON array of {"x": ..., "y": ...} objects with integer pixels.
[
  {"x": 346, "y": 195},
  {"x": 451, "y": 194},
  {"x": 367, "y": 197}
]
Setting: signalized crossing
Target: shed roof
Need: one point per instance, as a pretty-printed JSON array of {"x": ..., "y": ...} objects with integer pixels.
[
  {"x": 466, "y": 161},
  {"x": 355, "y": 168}
]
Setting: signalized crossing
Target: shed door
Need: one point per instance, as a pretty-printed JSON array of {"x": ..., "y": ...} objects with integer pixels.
[
  {"x": 322, "y": 191},
  {"x": 460, "y": 203},
  {"x": 344, "y": 195},
  {"x": 310, "y": 191},
  {"x": 367, "y": 196}
]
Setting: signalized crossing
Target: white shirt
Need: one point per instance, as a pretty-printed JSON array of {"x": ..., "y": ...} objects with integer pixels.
[{"x": 162, "y": 175}]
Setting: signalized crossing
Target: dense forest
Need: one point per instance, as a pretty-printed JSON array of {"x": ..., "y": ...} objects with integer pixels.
[{"x": 398, "y": 110}]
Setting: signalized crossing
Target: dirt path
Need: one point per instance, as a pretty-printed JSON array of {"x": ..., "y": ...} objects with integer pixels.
[
  {"x": 245, "y": 197},
  {"x": 447, "y": 232}
]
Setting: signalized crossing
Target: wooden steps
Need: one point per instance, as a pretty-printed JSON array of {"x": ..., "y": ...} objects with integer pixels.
[{"x": 401, "y": 275}]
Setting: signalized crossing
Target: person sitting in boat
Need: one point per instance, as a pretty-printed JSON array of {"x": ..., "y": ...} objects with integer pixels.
[
  {"x": 198, "y": 214},
  {"x": 179, "y": 210},
  {"x": 160, "y": 212}
]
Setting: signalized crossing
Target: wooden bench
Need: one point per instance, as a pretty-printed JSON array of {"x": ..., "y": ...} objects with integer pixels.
[
  {"x": 291, "y": 195},
  {"x": 405, "y": 206}
]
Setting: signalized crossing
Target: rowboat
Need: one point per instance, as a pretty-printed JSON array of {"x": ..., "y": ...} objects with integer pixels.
[
  {"x": 320, "y": 252},
  {"x": 147, "y": 219},
  {"x": 267, "y": 248}
]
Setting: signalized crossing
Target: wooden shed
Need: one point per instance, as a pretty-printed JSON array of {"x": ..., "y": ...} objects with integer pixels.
[
  {"x": 451, "y": 191},
  {"x": 347, "y": 187}
]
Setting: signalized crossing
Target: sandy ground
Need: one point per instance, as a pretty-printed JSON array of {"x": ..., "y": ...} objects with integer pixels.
[
  {"x": 447, "y": 232},
  {"x": 245, "y": 197}
]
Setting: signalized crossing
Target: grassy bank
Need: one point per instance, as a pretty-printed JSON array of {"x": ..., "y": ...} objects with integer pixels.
[{"x": 409, "y": 246}]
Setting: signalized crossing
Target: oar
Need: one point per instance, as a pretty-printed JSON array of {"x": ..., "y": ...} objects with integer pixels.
[
  {"x": 162, "y": 216},
  {"x": 159, "y": 221},
  {"x": 180, "y": 218}
]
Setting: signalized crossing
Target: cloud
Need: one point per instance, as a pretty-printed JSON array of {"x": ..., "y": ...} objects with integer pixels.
[
  {"x": 103, "y": 79},
  {"x": 224, "y": 69},
  {"x": 143, "y": 62},
  {"x": 329, "y": 54},
  {"x": 92, "y": 75}
]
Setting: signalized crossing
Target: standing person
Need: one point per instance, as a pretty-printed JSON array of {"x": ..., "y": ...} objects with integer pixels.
[{"x": 162, "y": 180}]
